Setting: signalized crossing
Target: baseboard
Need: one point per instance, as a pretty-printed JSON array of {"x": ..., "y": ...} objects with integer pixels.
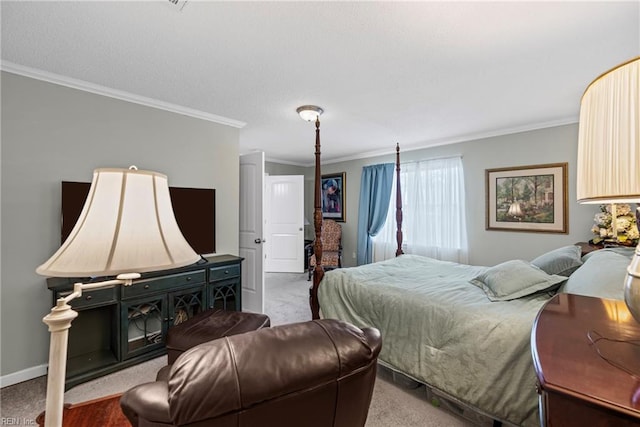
[{"x": 24, "y": 375}]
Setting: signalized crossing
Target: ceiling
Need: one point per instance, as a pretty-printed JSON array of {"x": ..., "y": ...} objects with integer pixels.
[{"x": 417, "y": 73}]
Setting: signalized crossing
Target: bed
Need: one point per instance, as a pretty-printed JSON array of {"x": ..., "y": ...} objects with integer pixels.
[
  {"x": 462, "y": 330},
  {"x": 442, "y": 330}
]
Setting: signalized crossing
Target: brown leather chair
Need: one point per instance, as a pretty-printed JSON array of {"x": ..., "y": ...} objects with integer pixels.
[{"x": 315, "y": 374}]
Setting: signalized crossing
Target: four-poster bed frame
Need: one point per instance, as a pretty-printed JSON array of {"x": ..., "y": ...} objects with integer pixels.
[
  {"x": 318, "y": 272},
  {"x": 419, "y": 303}
]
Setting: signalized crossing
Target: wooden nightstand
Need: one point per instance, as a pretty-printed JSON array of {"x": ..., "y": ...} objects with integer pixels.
[
  {"x": 587, "y": 247},
  {"x": 577, "y": 386}
]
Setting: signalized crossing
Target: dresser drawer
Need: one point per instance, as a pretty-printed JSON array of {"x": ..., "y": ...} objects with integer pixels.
[
  {"x": 93, "y": 298},
  {"x": 151, "y": 286},
  {"x": 221, "y": 273}
]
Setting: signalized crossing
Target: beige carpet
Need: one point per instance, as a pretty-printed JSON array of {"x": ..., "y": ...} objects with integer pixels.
[
  {"x": 391, "y": 404},
  {"x": 286, "y": 302}
]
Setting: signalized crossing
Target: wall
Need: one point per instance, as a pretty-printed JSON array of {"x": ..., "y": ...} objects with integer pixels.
[
  {"x": 274, "y": 168},
  {"x": 52, "y": 133},
  {"x": 486, "y": 247}
]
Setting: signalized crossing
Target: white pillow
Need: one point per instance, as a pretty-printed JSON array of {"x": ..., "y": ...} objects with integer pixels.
[
  {"x": 602, "y": 275},
  {"x": 515, "y": 279},
  {"x": 562, "y": 261}
]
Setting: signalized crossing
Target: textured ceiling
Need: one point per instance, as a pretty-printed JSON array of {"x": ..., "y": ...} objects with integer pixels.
[{"x": 417, "y": 73}]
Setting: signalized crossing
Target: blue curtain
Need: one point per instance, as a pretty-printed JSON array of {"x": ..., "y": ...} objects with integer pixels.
[{"x": 375, "y": 195}]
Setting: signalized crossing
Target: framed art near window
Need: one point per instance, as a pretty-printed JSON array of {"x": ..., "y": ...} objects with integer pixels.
[
  {"x": 527, "y": 198},
  {"x": 333, "y": 196}
]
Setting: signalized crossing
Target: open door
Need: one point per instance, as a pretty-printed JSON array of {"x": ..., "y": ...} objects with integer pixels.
[
  {"x": 285, "y": 224},
  {"x": 251, "y": 231}
]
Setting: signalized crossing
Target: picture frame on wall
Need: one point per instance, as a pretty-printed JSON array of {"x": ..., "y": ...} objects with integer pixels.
[
  {"x": 333, "y": 196},
  {"x": 527, "y": 198}
]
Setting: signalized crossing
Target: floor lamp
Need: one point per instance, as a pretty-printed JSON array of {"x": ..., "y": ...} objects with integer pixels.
[
  {"x": 609, "y": 152},
  {"x": 126, "y": 227}
]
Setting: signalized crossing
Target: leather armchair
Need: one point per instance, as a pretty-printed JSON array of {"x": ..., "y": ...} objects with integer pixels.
[{"x": 315, "y": 374}]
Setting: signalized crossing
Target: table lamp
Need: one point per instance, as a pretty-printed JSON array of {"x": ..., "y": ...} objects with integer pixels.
[
  {"x": 609, "y": 152},
  {"x": 126, "y": 227}
]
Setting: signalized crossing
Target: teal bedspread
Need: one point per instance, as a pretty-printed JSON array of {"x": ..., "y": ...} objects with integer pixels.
[{"x": 441, "y": 330}]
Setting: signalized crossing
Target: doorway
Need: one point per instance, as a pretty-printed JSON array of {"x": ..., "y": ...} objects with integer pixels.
[{"x": 284, "y": 213}]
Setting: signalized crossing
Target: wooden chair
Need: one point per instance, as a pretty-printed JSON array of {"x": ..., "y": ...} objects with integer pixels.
[{"x": 331, "y": 247}]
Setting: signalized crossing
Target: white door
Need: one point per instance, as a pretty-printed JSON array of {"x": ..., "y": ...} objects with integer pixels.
[
  {"x": 285, "y": 224},
  {"x": 251, "y": 229}
]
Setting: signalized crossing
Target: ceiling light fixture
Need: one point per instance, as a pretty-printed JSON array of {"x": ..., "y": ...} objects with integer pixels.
[{"x": 309, "y": 112}]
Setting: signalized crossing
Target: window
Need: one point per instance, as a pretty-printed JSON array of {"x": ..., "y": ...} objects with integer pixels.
[{"x": 433, "y": 210}]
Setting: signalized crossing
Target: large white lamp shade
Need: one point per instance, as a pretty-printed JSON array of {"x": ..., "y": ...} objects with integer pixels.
[
  {"x": 609, "y": 138},
  {"x": 609, "y": 152},
  {"x": 126, "y": 225}
]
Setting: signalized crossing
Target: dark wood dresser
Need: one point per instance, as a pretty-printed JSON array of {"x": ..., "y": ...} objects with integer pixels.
[
  {"x": 584, "y": 352},
  {"x": 121, "y": 326}
]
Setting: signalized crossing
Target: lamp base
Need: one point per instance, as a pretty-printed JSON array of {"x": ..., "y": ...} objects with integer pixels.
[
  {"x": 59, "y": 321},
  {"x": 632, "y": 285}
]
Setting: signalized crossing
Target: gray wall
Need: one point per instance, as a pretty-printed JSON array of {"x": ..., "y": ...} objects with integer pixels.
[
  {"x": 52, "y": 133},
  {"x": 274, "y": 168},
  {"x": 486, "y": 247}
]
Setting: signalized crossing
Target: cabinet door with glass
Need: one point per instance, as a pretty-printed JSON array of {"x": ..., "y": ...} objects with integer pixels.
[
  {"x": 225, "y": 287},
  {"x": 185, "y": 303},
  {"x": 144, "y": 325}
]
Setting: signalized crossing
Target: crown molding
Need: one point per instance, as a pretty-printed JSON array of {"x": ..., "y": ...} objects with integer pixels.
[{"x": 82, "y": 85}]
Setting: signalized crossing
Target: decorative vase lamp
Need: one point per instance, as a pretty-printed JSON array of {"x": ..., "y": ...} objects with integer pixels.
[
  {"x": 615, "y": 225},
  {"x": 609, "y": 152},
  {"x": 126, "y": 227}
]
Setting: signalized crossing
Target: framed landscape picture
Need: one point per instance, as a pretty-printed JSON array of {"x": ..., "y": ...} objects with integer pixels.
[
  {"x": 333, "y": 196},
  {"x": 527, "y": 198}
]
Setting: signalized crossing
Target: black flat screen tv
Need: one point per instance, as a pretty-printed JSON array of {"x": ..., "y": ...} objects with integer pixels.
[{"x": 194, "y": 209}]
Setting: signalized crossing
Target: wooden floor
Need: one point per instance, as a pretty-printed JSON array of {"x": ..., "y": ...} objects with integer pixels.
[{"x": 104, "y": 411}]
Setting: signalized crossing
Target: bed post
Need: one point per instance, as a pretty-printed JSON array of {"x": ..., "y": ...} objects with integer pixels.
[
  {"x": 318, "y": 271},
  {"x": 398, "y": 203}
]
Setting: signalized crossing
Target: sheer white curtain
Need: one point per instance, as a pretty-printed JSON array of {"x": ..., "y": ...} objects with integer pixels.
[{"x": 433, "y": 208}]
